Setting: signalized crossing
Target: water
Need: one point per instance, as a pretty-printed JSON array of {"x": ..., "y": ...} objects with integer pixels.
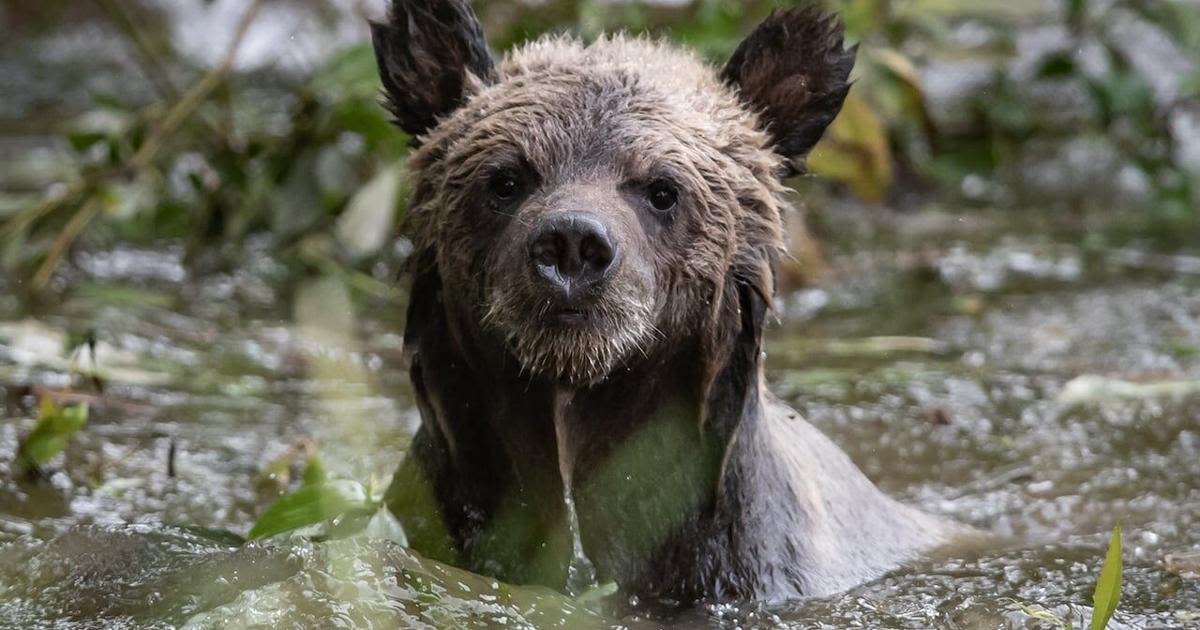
[
  {"x": 1032, "y": 378},
  {"x": 581, "y": 573},
  {"x": 1025, "y": 380}
]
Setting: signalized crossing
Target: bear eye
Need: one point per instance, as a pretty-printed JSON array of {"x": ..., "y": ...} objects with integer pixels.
[
  {"x": 662, "y": 195},
  {"x": 504, "y": 185}
]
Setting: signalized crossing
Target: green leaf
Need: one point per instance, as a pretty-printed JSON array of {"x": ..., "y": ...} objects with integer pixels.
[
  {"x": 1108, "y": 587},
  {"x": 370, "y": 121},
  {"x": 312, "y": 504},
  {"x": 351, "y": 72},
  {"x": 352, "y": 523},
  {"x": 49, "y": 437},
  {"x": 81, "y": 140}
]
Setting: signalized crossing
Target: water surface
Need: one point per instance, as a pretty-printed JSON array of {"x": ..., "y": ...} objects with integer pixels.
[{"x": 1017, "y": 377}]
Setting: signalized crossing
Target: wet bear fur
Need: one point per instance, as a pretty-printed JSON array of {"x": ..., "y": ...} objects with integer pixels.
[{"x": 641, "y": 446}]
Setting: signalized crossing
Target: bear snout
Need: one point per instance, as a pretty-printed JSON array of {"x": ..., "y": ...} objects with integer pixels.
[{"x": 572, "y": 254}]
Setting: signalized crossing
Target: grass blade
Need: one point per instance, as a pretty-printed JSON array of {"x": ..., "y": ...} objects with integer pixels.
[{"x": 1108, "y": 587}]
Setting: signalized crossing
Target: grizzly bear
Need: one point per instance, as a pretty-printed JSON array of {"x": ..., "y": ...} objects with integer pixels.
[{"x": 595, "y": 231}]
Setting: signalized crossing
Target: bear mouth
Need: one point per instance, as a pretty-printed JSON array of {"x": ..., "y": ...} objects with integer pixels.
[
  {"x": 572, "y": 343},
  {"x": 571, "y": 317},
  {"x": 586, "y": 310}
]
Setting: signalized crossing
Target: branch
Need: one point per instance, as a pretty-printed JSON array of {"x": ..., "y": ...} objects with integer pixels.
[{"x": 195, "y": 96}]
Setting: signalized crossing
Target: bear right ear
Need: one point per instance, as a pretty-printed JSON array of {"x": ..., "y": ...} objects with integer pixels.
[
  {"x": 793, "y": 71},
  {"x": 427, "y": 52}
]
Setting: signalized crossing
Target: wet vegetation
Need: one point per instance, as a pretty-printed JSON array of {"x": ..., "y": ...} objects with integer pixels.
[{"x": 993, "y": 305}]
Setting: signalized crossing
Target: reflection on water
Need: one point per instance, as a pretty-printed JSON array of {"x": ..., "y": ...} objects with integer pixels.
[{"x": 1025, "y": 384}]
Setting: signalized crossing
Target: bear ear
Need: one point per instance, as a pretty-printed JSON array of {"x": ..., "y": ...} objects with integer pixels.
[
  {"x": 427, "y": 52},
  {"x": 794, "y": 72}
]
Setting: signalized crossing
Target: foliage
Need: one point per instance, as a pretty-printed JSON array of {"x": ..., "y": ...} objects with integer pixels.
[
  {"x": 1104, "y": 598},
  {"x": 55, "y": 426},
  {"x": 312, "y": 504},
  {"x": 1125, "y": 106},
  {"x": 1108, "y": 586},
  {"x": 318, "y": 499},
  {"x": 855, "y": 151},
  {"x": 343, "y": 506},
  {"x": 312, "y": 161},
  {"x": 216, "y": 165},
  {"x": 1015, "y": 113}
]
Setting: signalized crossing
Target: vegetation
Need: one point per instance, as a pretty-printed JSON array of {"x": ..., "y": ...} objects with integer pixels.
[
  {"x": 346, "y": 506},
  {"x": 55, "y": 425},
  {"x": 311, "y": 161},
  {"x": 1108, "y": 586},
  {"x": 1061, "y": 107},
  {"x": 1105, "y": 598}
]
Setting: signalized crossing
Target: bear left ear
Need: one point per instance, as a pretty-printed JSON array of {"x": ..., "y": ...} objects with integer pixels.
[
  {"x": 428, "y": 51},
  {"x": 794, "y": 72}
]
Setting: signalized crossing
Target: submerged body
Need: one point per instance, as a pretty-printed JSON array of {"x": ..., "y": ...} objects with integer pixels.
[
  {"x": 619, "y": 481},
  {"x": 659, "y": 507},
  {"x": 595, "y": 232}
]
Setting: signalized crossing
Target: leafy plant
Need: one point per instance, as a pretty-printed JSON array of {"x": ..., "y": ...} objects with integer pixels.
[
  {"x": 318, "y": 500},
  {"x": 315, "y": 158},
  {"x": 55, "y": 426},
  {"x": 220, "y": 161},
  {"x": 855, "y": 151},
  {"x": 1104, "y": 599}
]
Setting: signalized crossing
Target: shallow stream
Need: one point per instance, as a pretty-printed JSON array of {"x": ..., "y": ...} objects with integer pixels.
[{"x": 1009, "y": 373}]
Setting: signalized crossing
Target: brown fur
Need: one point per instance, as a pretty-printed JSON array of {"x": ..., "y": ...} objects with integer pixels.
[
  {"x": 641, "y": 441},
  {"x": 615, "y": 110}
]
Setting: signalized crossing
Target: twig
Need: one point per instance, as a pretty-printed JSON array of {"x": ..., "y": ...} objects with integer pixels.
[
  {"x": 42, "y": 208},
  {"x": 195, "y": 96},
  {"x": 82, "y": 217},
  {"x": 79, "y": 186}
]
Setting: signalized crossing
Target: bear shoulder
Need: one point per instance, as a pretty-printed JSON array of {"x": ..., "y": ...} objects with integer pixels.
[{"x": 817, "y": 525}]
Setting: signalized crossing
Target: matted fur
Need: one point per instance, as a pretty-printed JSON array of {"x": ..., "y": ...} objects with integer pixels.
[
  {"x": 639, "y": 439},
  {"x": 657, "y": 105}
]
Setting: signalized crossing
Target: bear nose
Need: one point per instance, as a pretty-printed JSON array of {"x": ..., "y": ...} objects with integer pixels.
[{"x": 571, "y": 251}]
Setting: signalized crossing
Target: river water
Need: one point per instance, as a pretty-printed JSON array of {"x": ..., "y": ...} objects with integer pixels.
[
  {"x": 1031, "y": 379},
  {"x": 1032, "y": 374}
]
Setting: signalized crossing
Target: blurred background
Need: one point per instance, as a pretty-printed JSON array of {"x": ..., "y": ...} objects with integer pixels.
[
  {"x": 214, "y": 121},
  {"x": 993, "y": 299}
]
